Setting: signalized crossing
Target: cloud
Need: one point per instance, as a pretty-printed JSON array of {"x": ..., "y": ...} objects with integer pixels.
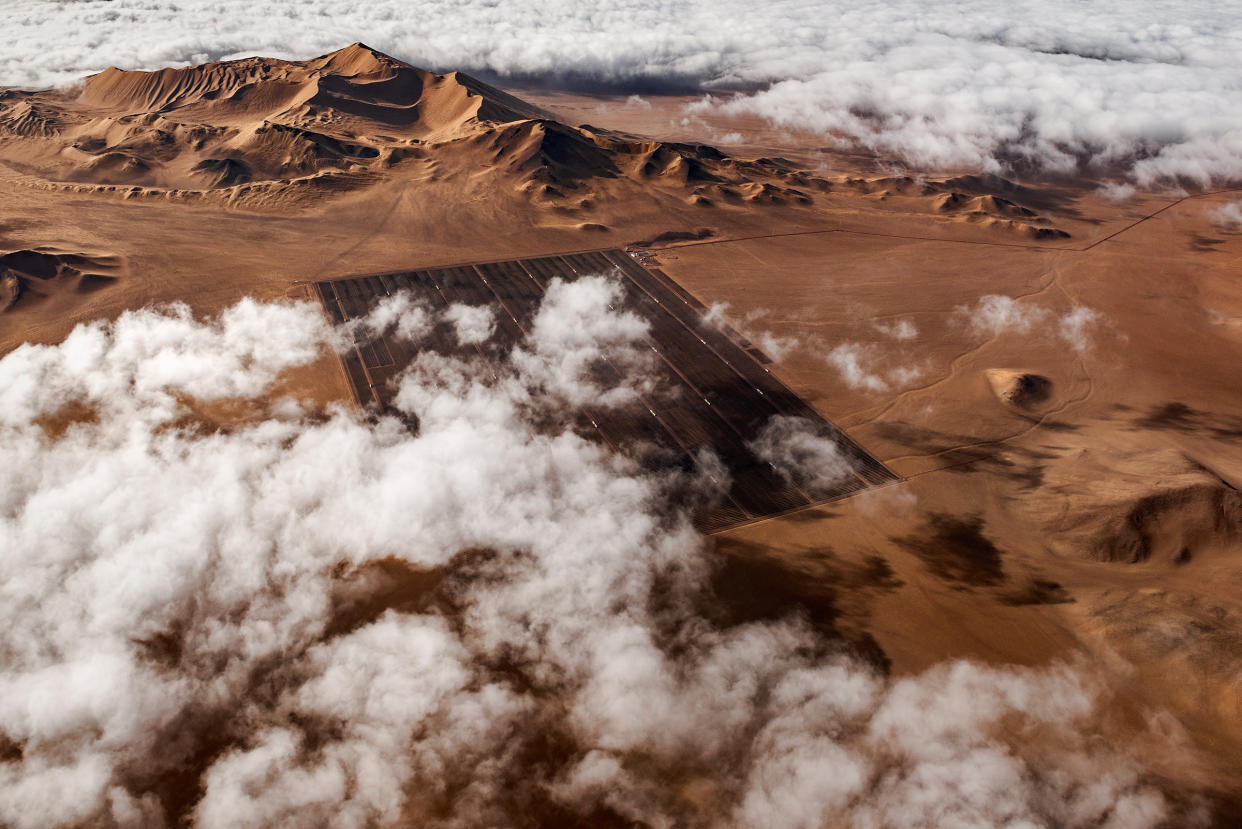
[
  {"x": 400, "y": 316},
  {"x": 489, "y": 620},
  {"x": 1228, "y": 216},
  {"x": 145, "y": 360},
  {"x": 856, "y": 363},
  {"x": 473, "y": 324},
  {"x": 773, "y": 345},
  {"x": 1116, "y": 191},
  {"x": 1056, "y": 87},
  {"x": 899, "y": 330},
  {"x": 848, "y": 359},
  {"x": 801, "y": 454},
  {"x": 1075, "y": 326},
  {"x": 582, "y": 350},
  {"x": 887, "y": 501},
  {"x": 995, "y": 314}
]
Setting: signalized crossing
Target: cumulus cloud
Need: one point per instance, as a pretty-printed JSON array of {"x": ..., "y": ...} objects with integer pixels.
[
  {"x": 995, "y": 314},
  {"x": 899, "y": 330},
  {"x": 1057, "y": 85},
  {"x": 1228, "y": 216},
  {"x": 473, "y": 324},
  {"x": 801, "y": 454},
  {"x": 142, "y": 363},
  {"x": 584, "y": 351},
  {"x": 886, "y": 500},
  {"x": 1075, "y": 326},
  {"x": 487, "y": 621},
  {"x": 750, "y": 326},
  {"x": 858, "y": 364},
  {"x": 1116, "y": 191},
  {"x": 400, "y": 316}
]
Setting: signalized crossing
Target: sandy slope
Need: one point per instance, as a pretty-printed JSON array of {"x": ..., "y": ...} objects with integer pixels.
[{"x": 1098, "y": 516}]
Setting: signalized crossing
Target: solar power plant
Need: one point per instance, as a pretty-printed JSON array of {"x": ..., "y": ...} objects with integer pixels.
[{"x": 714, "y": 391}]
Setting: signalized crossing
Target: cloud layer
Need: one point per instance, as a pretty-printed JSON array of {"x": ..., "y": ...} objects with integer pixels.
[
  {"x": 327, "y": 621},
  {"x": 1150, "y": 86}
]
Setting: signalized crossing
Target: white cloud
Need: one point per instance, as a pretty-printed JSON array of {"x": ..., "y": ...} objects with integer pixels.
[
  {"x": 145, "y": 360},
  {"x": 848, "y": 358},
  {"x": 399, "y": 315},
  {"x": 858, "y": 364},
  {"x": 331, "y": 621},
  {"x": 1228, "y": 216},
  {"x": 1075, "y": 326},
  {"x": 1116, "y": 191},
  {"x": 472, "y": 324},
  {"x": 899, "y": 330},
  {"x": 801, "y": 454},
  {"x": 995, "y": 314},
  {"x": 750, "y": 326},
  {"x": 885, "y": 500},
  {"x": 576, "y": 332},
  {"x": 960, "y": 83}
]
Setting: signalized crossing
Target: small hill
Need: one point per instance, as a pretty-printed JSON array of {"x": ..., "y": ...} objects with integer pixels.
[{"x": 1022, "y": 389}]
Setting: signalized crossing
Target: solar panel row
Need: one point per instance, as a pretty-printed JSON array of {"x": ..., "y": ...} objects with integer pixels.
[{"x": 716, "y": 395}]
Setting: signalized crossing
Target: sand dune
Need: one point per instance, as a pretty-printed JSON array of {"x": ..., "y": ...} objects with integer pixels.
[
  {"x": 263, "y": 133},
  {"x": 183, "y": 133},
  {"x": 27, "y": 276}
]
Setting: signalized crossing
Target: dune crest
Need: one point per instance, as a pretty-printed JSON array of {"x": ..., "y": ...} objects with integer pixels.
[
  {"x": 261, "y": 133},
  {"x": 254, "y": 131},
  {"x": 27, "y": 276}
]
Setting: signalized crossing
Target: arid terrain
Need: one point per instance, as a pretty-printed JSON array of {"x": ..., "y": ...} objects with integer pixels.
[{"x": 1048, "y": 364}]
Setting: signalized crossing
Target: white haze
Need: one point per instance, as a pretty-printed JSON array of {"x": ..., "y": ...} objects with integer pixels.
[
  {"x": 181, "y": 601},
  {"x": 1150, "y": 87}
]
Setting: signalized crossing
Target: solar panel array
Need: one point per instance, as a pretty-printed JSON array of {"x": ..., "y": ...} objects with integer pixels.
[{"x": 714, "y": 392}]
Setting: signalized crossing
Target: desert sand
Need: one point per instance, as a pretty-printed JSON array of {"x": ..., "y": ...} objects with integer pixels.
[{"x": 1067, "y": 492}]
